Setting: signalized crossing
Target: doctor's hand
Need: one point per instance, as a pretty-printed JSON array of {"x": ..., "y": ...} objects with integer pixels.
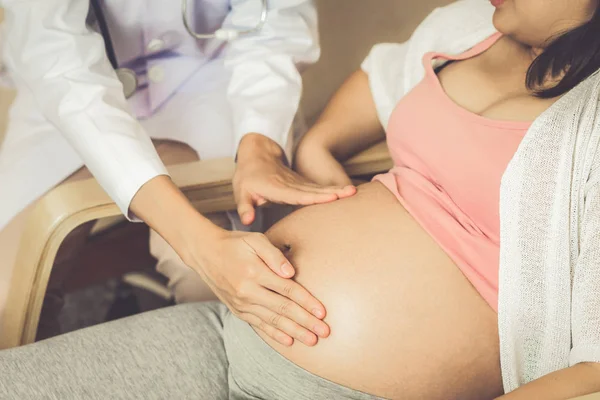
[
  {"x": 261, "y": 177},
  {"x": 252, "y": 278},
  {"x": 248, "y": 273}
]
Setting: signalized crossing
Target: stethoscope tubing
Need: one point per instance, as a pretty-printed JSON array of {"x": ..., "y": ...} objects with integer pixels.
[{"x": 128, "y": 77}]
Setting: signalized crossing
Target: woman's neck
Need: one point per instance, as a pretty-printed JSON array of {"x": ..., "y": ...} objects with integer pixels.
[{"x": 527, "y": 54}]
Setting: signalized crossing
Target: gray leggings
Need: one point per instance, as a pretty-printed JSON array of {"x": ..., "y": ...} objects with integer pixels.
[{"x": 194, "y": 351}]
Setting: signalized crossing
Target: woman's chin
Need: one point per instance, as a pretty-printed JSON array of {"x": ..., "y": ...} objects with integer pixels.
[{"x": 501, "y": 21}]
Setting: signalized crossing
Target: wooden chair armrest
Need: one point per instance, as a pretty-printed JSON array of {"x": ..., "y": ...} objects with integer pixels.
[
  {"x": 374, "y": 160},
  {"x": 594, "y": 396},
  {"x": 206, "y": 183}
]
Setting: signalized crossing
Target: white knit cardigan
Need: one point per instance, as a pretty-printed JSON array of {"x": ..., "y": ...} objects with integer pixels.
[{"x": 549, "y": 300}]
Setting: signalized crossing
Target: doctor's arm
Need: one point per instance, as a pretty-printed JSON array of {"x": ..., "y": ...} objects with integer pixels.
[
  {"x": 264, "y": 94},
  {"x": 54, "y": 57}
]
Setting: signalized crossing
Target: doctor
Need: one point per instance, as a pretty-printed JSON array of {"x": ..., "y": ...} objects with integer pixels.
[{"x": 203, "y": 98}]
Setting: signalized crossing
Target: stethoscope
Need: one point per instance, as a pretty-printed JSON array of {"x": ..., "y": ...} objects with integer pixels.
[
  {"x": 129, "y": 78},
  {"x": 225, "y": 34}
]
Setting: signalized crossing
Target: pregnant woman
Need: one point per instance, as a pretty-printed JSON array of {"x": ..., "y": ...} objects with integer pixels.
[{"x": 409, "y": 268}]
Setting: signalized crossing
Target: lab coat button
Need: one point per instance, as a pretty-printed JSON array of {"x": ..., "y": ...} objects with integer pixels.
[
  {"x": 155, "y": 45},
  {"x": 156, "y": 74}
]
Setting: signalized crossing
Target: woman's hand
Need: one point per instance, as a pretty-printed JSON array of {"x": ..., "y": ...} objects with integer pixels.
[
  {"x": 316, "y": 163},
  {"x": 578, "y": 380},
  {"x": 349, "y": 124},
  {"x": 261, "y": 176},
  {"x": 252, "y": 278}
]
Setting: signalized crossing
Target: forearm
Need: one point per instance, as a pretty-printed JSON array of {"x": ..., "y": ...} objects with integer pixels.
[
  {"x": 317, "y": 164},
  {"x": 161, "y": 205},
  {"x": 579, "y": 380},
  {"x": 63, "y": 66},
  {"x": 258, "y": 146},
  {"x": 349, "y": 123}
]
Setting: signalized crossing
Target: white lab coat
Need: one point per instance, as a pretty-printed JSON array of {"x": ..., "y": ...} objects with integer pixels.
[{"x": 70, "y": 109}]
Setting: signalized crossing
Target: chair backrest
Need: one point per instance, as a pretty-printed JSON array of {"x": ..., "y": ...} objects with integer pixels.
[{"x": 6, "y": 94}]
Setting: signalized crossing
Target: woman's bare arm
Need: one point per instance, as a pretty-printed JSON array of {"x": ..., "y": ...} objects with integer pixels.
[
  {"x": 348, "y": 125},
  {"x": 578, "y": 380}
]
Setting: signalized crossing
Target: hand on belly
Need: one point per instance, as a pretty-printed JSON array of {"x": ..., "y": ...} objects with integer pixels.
[{"x": 405, "y": 323}]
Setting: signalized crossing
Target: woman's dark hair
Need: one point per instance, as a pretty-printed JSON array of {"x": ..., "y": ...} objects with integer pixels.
[{"x": 574, "y": 55}]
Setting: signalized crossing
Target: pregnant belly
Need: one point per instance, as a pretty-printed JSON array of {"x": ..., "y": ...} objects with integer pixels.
[{"x": 405, "y": 323}]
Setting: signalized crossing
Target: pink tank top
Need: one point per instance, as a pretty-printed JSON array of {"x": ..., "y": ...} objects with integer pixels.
[{"x": 448, "y": 163}]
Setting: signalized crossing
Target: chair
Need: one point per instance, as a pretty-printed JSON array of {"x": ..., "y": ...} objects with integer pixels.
[{"x": 206, "y": 183}]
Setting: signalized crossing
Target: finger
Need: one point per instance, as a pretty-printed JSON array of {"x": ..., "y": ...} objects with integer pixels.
[
  {"x": 347, "y": 191},
  {"x": 245, "y": 208},
  {"x": 285, "y": 325},
  {"x": 339, "y": 191},
  {"x": 304, "y": 184},
  {"x": 261, "y": 202},
  {"x": 271, "y": 331},
  {"x": 290, "y": 195},
  {"x": 288, "y": 309},
  {"x": 270, "y": 255},
  {"x": 308, "y": 198},
  {"x": 295, "y": 292},
  {"x": 341, "y": 186}
]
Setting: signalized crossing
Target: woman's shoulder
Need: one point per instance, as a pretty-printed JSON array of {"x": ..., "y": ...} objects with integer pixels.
[
  {"x": 395, "y": 68},
  {"x": 448, "y": 29}
]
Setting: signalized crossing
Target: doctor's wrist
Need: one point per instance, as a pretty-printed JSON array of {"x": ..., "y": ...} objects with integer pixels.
[
  {"x": 192, "y": 235},
  {"x": 164, "y": 208},
  {"x": 196, "y": 239},
  {"x": 256, "y": 146}
]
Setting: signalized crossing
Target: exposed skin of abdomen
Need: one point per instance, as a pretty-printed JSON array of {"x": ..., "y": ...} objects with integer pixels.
[{"x": 405, "y": 322}]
